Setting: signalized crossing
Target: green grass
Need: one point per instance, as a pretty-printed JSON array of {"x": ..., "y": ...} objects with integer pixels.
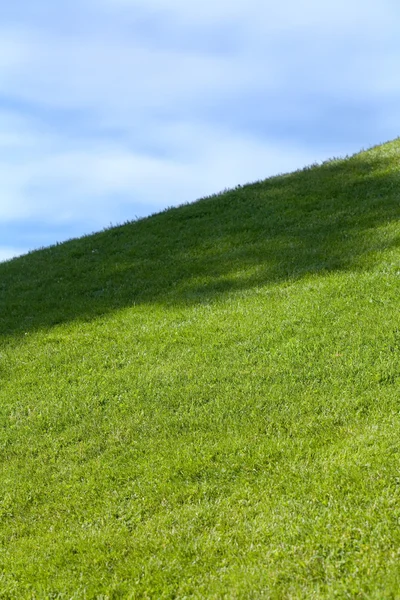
[{"x": 206, "y": 403}]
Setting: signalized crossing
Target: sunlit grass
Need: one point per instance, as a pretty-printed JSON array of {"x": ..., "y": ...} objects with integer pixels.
[{"x": 205, "y": 403}]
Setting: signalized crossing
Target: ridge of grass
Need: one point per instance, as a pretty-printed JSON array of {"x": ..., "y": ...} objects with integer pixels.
[{"x": 205, "y": 403}]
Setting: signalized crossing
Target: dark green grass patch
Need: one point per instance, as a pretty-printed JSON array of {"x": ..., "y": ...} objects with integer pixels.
[{"x": 205, "y": 403}]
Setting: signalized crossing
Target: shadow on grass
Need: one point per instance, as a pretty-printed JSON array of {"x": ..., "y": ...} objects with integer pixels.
[{"x": 320, "y": 219}]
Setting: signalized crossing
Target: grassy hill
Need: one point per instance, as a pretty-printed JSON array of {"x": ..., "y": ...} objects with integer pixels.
[{"x": 206, "y": 403}]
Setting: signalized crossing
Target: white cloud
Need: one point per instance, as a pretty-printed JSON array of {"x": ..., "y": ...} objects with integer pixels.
[
  {"x": 14, "y": 51},
  {"x": 270, "y": 15},
  {"x": 335, "y": 46},
  {"x": 70, "y": 183},
  {"x": 113, "y": 75},
  {"x": 152, "y": 102},
  {"x": 342, "y": 49},
  {"x": 266, "y": 24}
]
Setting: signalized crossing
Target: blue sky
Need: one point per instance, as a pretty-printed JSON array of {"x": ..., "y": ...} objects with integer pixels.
[{"x": 114, "y": 109}]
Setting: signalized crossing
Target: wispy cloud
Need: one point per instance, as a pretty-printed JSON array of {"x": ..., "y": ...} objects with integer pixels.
[{"x": 116, "y": 108}]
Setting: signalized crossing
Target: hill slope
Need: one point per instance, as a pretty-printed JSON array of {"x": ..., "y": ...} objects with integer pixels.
[{"x": 205, "y": 403}]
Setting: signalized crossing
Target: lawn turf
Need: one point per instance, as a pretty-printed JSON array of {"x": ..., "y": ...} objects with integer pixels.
[{"x": 205, "y": 403}]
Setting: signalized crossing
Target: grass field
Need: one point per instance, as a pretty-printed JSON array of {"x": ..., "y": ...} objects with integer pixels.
[{"x": 206, "y": 403}]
